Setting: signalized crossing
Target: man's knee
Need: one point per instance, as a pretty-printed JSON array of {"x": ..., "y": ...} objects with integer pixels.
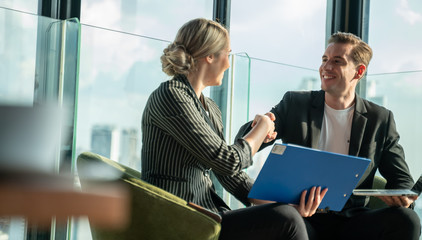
[
  {"x": 407, "y": 219},
  {"x": 407, "y": 216}
]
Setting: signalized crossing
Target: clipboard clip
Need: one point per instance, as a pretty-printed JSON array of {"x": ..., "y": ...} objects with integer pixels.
[
  {"x": 323, "y": 210},
  {"x": 278, "y": 149}
]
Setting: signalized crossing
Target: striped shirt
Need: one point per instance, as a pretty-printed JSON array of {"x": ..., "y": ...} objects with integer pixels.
[{"x": 180, "y": 147}]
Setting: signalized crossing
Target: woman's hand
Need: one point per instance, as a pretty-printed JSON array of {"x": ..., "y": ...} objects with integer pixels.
[
  {"x": 271, "y": 135},
  {"x": 307, "y": 209},
  {"x": 262, "y": 130}
]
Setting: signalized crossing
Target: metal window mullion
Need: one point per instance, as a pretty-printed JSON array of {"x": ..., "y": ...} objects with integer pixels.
[{"x": 349, "y": 16}]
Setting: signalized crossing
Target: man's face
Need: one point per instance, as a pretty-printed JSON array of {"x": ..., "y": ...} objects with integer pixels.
[{"x": 338, "y": 72}]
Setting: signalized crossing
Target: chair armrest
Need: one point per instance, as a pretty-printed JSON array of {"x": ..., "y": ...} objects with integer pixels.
[
  {"x": 157, "y": 214},
  {"x": 205, "y": 211}
]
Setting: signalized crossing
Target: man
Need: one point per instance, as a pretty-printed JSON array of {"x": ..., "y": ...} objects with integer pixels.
[{"x": 335, "y": 119}]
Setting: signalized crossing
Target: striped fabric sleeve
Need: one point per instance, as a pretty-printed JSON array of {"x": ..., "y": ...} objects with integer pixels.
[
  {"x": 238, "y": 185},
  {"x": 176, "y": 111}
]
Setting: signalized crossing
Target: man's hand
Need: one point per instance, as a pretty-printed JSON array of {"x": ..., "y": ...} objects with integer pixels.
[
  {"x": 398, "y": 201},
  {"x": 271, "y": 134},
  {"x": 307, "y": 209}
]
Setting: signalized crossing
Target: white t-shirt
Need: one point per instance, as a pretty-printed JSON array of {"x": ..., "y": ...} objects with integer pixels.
[{"x": 336, "y": 129}]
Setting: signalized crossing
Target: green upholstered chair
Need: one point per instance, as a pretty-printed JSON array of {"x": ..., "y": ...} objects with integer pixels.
[
  {"x": 374, "y": 202},
  {"x": 155, "y": 213}
]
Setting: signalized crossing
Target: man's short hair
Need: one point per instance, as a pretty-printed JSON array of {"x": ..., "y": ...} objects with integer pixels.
[{"x": 361, "y": 52}]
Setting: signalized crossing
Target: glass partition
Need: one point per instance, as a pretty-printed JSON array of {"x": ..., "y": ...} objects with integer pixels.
[
  {"x": 394, "y": 75},
  {"x": 121, "y": 45},
  {"x": 118, "y": 72},
  {"x": 120, "y": 66},
  {"x": 260, "y": 84},
  {"x": 284, "y": 42},
  {"x": 238, "y": 99},
  {"x": 395, "y": 72},
  {"x": 401, "y": 93},
  {"x": 269, "y": 82},
  {"x": 17, "y": 57},
  {"x": 38, "y": 65},
  {"x": 237, "y": 108}
]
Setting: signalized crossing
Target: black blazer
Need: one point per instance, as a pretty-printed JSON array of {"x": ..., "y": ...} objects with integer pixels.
[{"x": 299, "y": 118}]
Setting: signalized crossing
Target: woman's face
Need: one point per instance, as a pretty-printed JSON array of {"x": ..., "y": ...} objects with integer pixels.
[{"x": 218, "y": 66}]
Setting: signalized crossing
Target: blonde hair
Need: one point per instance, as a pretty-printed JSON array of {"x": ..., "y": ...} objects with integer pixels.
[
  {"x": 196, "y": 39},
  {"x": 361, "y": 52}
]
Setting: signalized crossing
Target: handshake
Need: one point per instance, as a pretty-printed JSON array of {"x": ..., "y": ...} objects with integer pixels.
[{"x": 266, "y": 121}]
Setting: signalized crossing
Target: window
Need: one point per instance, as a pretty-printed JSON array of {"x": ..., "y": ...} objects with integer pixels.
[
  {"x": 395, "y": 73},
  {"x": 121, "y": 45},
  {"x": 157, "y": 19},
  {"x": 284, "y": 41},
  {"x": 21, "y": 5}
]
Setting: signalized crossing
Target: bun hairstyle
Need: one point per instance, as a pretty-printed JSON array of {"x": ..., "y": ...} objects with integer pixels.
[{"x": 196, "y": 39}]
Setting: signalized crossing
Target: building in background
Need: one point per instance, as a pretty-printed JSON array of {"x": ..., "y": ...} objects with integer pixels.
[{"x": 120, "y": 145}]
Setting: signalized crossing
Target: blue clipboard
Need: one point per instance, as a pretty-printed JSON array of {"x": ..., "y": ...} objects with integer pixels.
[{"x": 290, "y": 169}]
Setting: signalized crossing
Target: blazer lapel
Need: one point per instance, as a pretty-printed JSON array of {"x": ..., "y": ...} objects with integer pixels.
[
  {"x": 358, "y": 127},
  {"x": 218, "y": 125},
  {"x": 198, "y": 103},
  {"x": 316, "y": 115}
]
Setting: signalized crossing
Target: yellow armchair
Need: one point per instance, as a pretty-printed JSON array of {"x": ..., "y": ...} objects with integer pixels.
[{"x": 155, "y": 213}]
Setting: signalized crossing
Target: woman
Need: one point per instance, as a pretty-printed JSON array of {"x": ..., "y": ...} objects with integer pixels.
[{"x": 183, "y": 140}]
